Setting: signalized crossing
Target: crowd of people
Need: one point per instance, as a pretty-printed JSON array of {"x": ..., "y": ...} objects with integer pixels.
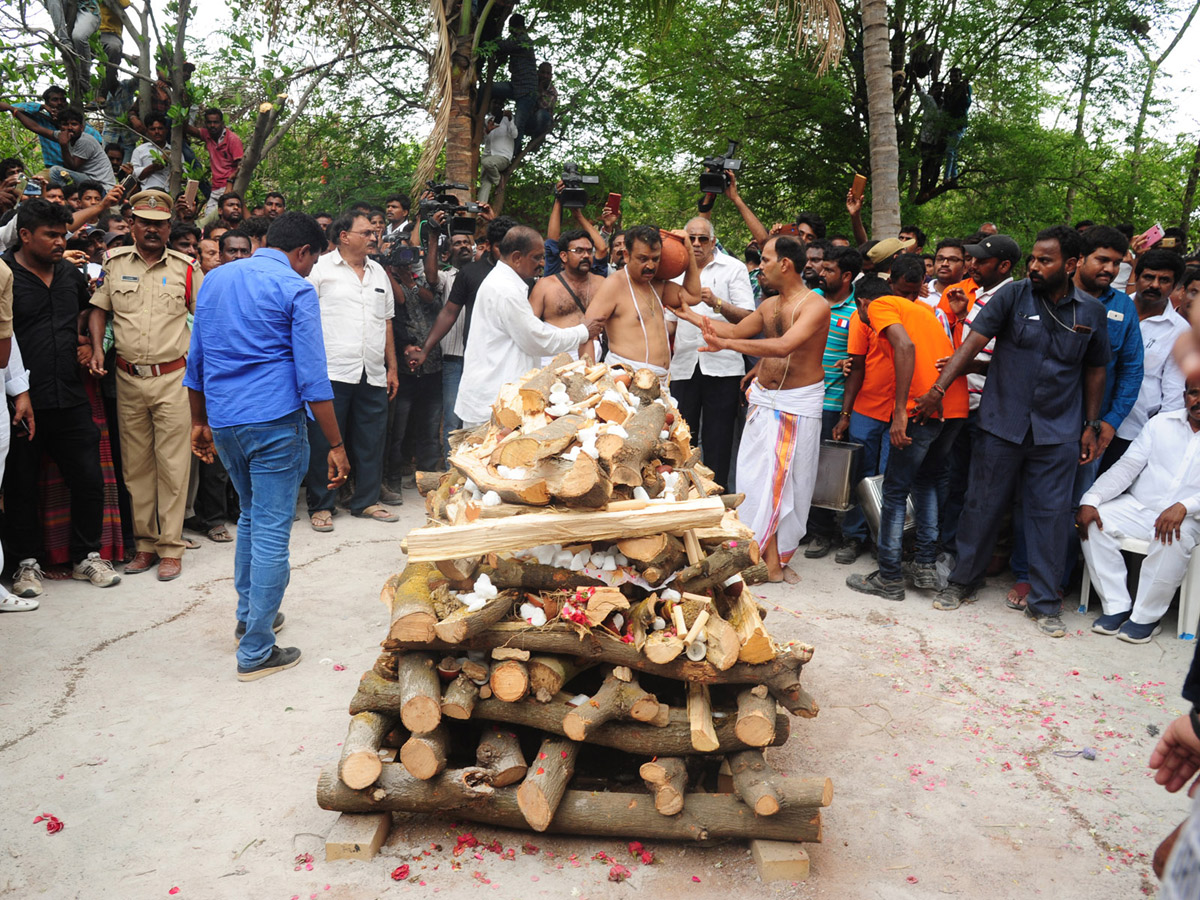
[{"x": 1011, "y": 394}]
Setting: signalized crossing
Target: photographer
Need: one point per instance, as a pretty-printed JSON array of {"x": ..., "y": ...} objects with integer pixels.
[
  {"x": 554, "y": 230},
  {"x": 497, "y": 150}
]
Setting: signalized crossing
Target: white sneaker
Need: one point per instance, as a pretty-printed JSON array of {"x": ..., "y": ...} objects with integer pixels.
[
  {"x": 97, "y": 570},
  {"x": 13, "y": 603},
  {"x": 27, "y": 581}
]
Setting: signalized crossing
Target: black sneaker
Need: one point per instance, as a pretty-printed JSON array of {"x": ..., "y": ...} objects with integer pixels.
[
  {"x": 954, "y": 595},
  {"x": 281, "y": 658},
  {"x": 923, "y": 575},
  {"x": 1111, "y": 624},
  {"x": 1051, "y": 626},
  {"x": 850, "y": 550},
  {"x": 818, "y": 547},
  {"x": 240, "y": 631},
  {"x": 874, "y": 584}
]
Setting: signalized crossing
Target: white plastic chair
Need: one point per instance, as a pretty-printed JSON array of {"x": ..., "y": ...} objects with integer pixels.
[{"x": 1189, "y": 590}]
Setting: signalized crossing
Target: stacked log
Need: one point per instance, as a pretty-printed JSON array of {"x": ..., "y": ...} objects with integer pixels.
[{"x": 582, "y": 584}]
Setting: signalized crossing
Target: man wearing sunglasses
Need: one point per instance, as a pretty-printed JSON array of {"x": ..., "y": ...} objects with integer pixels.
[{"x": 705, "y": 385}]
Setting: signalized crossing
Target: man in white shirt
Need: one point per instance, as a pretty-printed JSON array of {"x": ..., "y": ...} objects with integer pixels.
[
  {"x": 14, "y": 379},
  {"x": 706, "y": 385},
  {"x": 357, "y": 307},
  {"x": 497, "y": 152},
  {"x": 1156, "y": 274},
  {"x": 151, "y": 161},
  {"x": 506, "y": 338},
  {"x": 1153, "y": 494},
  {"x": 949, "y": 267}
]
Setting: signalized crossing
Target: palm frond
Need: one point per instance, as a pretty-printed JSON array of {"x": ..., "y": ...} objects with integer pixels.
[
  {"x": 441, "y": 75},
  {"x": 813, "y": 24}
]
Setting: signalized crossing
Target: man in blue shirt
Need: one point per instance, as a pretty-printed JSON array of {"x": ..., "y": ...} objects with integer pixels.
[
  {"x": 1103, "y": 250},
  {"x": 1045, "y": 383},
  {"x": 257, "y": 357}
]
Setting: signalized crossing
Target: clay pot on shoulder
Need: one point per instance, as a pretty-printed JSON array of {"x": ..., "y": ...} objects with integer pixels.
[{"x": 674, "y": 259}]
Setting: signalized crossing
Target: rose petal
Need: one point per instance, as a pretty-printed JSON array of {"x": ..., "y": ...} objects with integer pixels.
[
  {"x": 173, "y": 890},
  {"x": 696, "y": 878}
]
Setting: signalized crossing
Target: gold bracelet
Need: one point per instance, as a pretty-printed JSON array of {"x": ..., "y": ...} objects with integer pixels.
[{"x": 717, "y": 308}]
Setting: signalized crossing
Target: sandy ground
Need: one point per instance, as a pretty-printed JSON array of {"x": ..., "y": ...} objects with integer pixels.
[{"x": 120, "y": 714}]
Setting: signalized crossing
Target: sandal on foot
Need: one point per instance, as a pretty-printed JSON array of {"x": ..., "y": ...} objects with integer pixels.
[
  {"x": 190, "y": 544},
  {"x": 219, "y": 535},
  {"x": 378, "y": 513},
  {"x": 13, "y": 603},
  {"x": 321, "y": 520},
  {"x": 1017, "y": 594}
]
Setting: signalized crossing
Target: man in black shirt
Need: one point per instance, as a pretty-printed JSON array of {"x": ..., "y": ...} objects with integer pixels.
[{"x": 48, "y": 296}]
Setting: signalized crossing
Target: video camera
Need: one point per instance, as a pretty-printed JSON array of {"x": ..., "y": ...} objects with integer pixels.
[
  {"x": 401, "y": 256},
  {"x": 713, "y": 179},
  {"x": 460, "y": 216},
  {"x": 574, "y": 194}
]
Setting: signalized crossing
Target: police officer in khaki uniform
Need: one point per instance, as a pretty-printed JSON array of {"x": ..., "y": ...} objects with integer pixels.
[{"x": 149, "y": 290}]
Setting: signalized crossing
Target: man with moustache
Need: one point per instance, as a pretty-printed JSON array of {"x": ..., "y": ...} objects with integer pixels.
[
  {"x": 1153, "y": 494},
  {"x": 562, "y": 299},
  {"x": 1045, "y": 381},
  {"x": 149, "y": 290},
  {"x": 1155, "y": 275}
]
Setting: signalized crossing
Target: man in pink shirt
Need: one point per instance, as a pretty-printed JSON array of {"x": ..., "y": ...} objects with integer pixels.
[{"x": 224, "y": 153}]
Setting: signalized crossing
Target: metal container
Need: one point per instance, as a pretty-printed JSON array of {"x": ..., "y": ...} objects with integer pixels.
[
  {"x": 836, "y": 464},
  {"x": 870, "y": 496}
]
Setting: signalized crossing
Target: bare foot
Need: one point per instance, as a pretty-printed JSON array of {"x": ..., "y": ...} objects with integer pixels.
[{"x": 789, "y": 576}]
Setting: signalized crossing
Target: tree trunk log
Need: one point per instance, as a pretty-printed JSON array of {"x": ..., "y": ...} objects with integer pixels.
[
  {"x": 430, "y": 544},
  {"x": 360, "y": 764},
  {"x": 719, "y": 566},
  {"x": 699, "y": 708},
  {"x": 460, "y": 698},
  {"x": 396, "y": 789},
  {"x": 546, "y": 782},
  {"x": 756, "y": 717},
  {"x": 408, "y": 596},
  {"x": 461, "y": 624},
  {"x": 656, "y": 556},
  {"x": 420, "y": 693},
  {"x": 723, "y": 644},
  {"x": 615, "y": 699},
  {"x": 530, "y": 490},
  {"x": 662, "y": 648},
  {"x": 581, "y": 483},
  {"x": 424, "y": 755},
  {"x": 524, "y": 450},
  {"x": 645, "y": 386},
  {"x": 535, "y": 391},
  {"x": 754, "y": 782},
  {"x": 510, "y": 680},
  {"x": 617, "y": 814},
  {"x": 756, "y": 574},
  {"x": 550, "y": 674},
  {"x": 532, "y": 576},
  {"x": 667, "y": 779},
  {"x": 780, "y": 673},
  {"x": 643, "y": 428},
  {"x": 428, "y": 481},
  {"x": 499, "y": 752},
  {"x": 756, "y": 644},
  {"x": 672, "y": 739}
]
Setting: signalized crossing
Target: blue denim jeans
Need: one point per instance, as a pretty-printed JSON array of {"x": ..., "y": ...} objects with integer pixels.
[
  {"x": 876, "y": 443},
  {"x": 915, "y": 470},
  {"x": 266, "y": 463},
  {"x": 452, "y": 371}
]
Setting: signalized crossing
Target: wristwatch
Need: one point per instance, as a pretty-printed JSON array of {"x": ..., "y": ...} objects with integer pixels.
[{"x": 1094, "y": 424}]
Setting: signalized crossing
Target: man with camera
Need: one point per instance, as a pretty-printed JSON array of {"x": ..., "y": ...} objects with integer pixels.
[
  {"x": 632, "y": 306},
  {"x": 562, "y": 299},
  {"x": 356, "y": 311}
]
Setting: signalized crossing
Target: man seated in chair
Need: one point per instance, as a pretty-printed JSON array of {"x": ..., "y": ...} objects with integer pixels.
[{"x": 1152, "y": 494}]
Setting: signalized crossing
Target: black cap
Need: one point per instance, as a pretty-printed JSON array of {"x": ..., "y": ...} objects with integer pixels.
[{"x": 996, "y": 246}]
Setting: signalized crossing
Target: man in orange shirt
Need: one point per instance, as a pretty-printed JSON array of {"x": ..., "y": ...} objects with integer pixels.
[{"x": 911, "y": 335}]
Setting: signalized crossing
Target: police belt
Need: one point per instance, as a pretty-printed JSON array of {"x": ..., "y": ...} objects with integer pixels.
[{"x": 142, "y": 370}]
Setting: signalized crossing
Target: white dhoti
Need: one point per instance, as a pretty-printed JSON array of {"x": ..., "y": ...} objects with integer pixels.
[
  {"x": 1162, "y": 569},
  {"x": 777, "y": 463},
  {"x": 615, "y": 359}
]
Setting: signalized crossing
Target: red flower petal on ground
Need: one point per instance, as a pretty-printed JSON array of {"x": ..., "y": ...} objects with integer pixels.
[
  {"x": 338, "y": 667},
  {"x": 173, "y": 890},
  {"x": 54, "y": 826},
  {"x": 39, "y": 819},
  {"x": 911, "y": 879},
  {"x": 635, "y": 847},
  {"x": 647, "y": 857},
  {"x": 618, "y": 873},
  {"x": 400, "y": 873},
  {"x": 696, "y": 878},
  {"x": 529, "y": 849}
]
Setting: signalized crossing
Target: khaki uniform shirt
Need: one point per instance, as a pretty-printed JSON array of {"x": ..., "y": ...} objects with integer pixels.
[
  {"x": 6, "y": 301},
  {"x": 149, "y": 303}
]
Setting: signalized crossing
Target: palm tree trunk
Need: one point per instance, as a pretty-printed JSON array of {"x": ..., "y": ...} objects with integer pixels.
[{"x": 885, "y": 154}]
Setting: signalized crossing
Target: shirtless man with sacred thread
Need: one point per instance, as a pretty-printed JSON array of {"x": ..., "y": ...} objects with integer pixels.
[
  {"x": 777, "y": 459},
  {"x": 630, "y": 304},
  {"x": 562, "y": 299}
]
